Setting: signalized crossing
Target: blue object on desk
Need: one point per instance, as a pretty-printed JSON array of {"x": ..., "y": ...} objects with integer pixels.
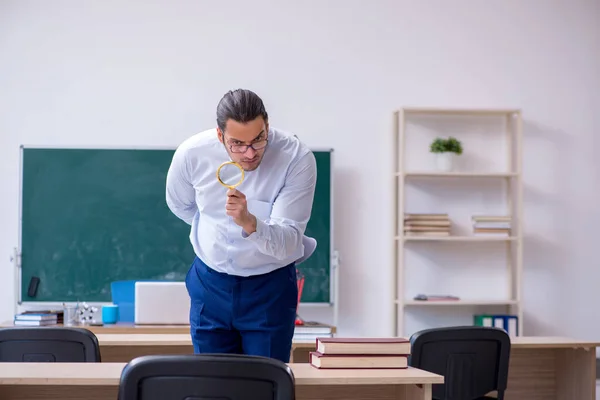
[
  {"x": 123, "y": 295},
  {"x": 110, "y": 314}
]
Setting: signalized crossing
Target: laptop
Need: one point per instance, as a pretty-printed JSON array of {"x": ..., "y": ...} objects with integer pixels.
[{"x": 162, "y": 303}]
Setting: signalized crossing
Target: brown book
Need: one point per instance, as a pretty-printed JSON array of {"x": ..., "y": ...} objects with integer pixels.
[
  {"x": 365, "y": 361},
  {"x": 427, "y": 233},
  {"x": 491, "y": 230},
  {"x": 372, "y": 346},
  {"x": 427, "y": 228},
  {"x": 423, "y": 216},
  {"x": 426, "y": 222},
  {"x": 491, "y": 218}
]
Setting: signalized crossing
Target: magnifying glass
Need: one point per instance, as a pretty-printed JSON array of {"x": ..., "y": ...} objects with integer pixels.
[{"x": 230, "y": 174}]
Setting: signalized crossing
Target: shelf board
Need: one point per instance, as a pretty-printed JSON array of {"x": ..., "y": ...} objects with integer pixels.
[
  {"x": 457, "y": 238},
  {"x": 447, "y": 303},
  {"x": 434, "y": 174},
  {"x": 458, "y": 111}
]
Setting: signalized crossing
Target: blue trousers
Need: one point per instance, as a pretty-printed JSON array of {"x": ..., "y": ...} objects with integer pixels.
[{"x": 243, "y": 315}]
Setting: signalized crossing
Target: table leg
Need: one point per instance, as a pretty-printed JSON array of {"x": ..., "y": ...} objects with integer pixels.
[{"x": 427, "y": 392}]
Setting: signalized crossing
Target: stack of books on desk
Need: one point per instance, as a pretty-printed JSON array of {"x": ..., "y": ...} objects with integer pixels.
[
  {"x": 426, "y": 225},
  {"x": 308, "y": 332},
  {"x": 37, "y": 318},
  {"x": 495, "y": 225},
  {"x": 363, "y": 353}
]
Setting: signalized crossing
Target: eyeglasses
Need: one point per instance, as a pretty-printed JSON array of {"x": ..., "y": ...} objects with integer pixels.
[{"x": 242, "y": 148}]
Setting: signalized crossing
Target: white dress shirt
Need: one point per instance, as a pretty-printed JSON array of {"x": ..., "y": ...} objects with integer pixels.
[{"x": 279, "y": 194}]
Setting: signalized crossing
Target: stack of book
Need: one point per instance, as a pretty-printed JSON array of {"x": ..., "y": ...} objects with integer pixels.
[
  {"x": 37, "y": 318},
  {"x": 308, "y": 332},
  {"x": 496, "y": 225},
  {"x": 363, "y": 353},
  {"x": 426, "y": 225}
]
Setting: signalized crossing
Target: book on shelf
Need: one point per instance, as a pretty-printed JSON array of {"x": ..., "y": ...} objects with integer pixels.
[
  {"x": 435, "y": 297},
  {"x": 509, "y": 323},
  {"x": 421, "y": 224},
  {"x": 361, "y": 353},
  {"x": 494, "y": 225}
]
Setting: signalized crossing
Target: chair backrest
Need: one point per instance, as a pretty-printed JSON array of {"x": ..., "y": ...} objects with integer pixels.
[
  {"x": 472, "y": 359},
  {"x": 48, "y": 344},
  {"x": 206, "y": 376}
]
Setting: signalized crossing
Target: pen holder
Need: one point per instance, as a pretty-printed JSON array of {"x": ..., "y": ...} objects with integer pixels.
[
  {"x": 70, "y": 315},
  {"x": 110, "y": 314}
]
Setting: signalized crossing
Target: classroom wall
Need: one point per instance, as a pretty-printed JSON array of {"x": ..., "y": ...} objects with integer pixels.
[{"x": 139, "y": 73}]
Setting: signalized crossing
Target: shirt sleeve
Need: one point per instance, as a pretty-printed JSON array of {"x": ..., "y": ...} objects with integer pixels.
[
  {"x": 180, "y": 194},
  {"x": 281, "y": 235}
]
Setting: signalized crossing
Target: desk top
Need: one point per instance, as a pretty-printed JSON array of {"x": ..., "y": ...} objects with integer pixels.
[
  {"x": 108, "y": 374},
  {"x": 185, "y": 340},
  {"x": 550, "y": 342},
  {"x": 144, "y": 339},
  {"x": 131, "y": 328},
  {"x": 122, "y": 334},
  {"x": 125, "y": 328},
  {"x": 164, "y": 339}
]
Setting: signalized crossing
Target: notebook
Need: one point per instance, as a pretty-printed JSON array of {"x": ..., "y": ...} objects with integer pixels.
[{"x": 161, "y": 303}]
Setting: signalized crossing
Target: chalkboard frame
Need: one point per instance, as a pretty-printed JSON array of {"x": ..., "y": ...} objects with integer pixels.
[{"x": 16, "y": 257}]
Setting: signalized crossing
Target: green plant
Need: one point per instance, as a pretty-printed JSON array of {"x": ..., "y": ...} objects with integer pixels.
[{"x": 450, "y": 145}]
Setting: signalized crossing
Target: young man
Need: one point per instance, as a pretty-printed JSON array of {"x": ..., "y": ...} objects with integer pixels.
[{"x": 242, "y": 283}]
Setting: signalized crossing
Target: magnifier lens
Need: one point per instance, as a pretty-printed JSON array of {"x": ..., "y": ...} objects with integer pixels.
[{"x": 230, "y": 175}]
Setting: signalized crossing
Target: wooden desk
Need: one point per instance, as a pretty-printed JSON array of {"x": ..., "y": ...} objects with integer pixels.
[
  {"x": 180, "y": 342},
  {"x": 100, "y": 381},
  {"x": 540, "y": 367},
  {"x": 558, "y": 368}
]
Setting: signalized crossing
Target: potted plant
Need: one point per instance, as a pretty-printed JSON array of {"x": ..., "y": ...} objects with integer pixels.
[{"x": 446, "y": 151}]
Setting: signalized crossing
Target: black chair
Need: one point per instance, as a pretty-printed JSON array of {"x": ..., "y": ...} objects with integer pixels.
[
  {"x": 206, "y": 376},
  {"x": 48, "y": 344},
  {"x": 472, "y": 359}
]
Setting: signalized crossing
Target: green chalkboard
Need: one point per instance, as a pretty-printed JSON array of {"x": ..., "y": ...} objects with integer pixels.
[{"x": 93, "y": 216}]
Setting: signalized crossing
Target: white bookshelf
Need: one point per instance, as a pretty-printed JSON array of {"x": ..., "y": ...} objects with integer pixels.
[{"x": 495, "y": 181}]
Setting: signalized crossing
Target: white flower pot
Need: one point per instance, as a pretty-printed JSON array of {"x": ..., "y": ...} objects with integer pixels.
[{"x": 445, "y": 161}]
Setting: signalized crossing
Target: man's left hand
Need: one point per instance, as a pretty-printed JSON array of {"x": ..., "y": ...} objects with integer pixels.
[{"x": 237, "y": 208}]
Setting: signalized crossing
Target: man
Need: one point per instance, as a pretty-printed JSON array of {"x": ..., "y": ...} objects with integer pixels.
[{"x": 242, "y": 283}]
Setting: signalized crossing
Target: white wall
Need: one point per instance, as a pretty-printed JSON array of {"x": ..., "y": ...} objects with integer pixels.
[{"x": 150, "y": 73}]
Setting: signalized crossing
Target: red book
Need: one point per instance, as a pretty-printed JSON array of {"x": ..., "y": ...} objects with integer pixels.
[
  {"x": 360, "y": 361},
  {"x": 371, "y": 346}
]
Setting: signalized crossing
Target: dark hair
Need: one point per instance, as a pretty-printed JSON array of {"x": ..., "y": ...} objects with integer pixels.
[{"x": 240, "y": 105}]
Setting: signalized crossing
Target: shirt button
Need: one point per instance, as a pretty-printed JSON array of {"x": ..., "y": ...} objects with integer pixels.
[
  {"x": 230, "y": 241},
  {"x": 230, "y": 261}
]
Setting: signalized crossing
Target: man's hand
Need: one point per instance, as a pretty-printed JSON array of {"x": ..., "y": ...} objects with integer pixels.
[{"x": 237, "y": 208}]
